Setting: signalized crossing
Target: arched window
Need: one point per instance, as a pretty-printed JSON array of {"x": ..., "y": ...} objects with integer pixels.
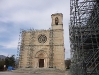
[{"x": 56, "y": 20}]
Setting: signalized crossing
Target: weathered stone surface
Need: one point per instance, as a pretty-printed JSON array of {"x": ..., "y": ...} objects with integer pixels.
[{"x": 44, "y": 48}]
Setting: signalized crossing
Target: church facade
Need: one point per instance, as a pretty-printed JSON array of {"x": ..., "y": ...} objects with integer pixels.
[{"x": 43, "y": 48}]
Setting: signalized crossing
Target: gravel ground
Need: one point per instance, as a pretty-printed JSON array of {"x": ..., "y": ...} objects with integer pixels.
[{"x": 13, "y": 73}]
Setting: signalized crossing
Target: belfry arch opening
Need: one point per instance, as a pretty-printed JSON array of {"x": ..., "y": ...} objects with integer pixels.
[{"x": 56, "y": 20}]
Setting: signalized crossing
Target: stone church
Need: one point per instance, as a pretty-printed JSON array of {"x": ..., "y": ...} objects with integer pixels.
[{"x": 43, "y": 48}]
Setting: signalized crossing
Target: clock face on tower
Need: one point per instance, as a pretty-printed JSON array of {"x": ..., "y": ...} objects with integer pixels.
[{"x": 42, "y": 38}]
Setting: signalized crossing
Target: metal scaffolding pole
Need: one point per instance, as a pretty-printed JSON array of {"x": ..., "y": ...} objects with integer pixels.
[
  {"x": 21, "y": 47},
  {"x": 84, "y": 37},
  {"x": 51, "y": 49}
]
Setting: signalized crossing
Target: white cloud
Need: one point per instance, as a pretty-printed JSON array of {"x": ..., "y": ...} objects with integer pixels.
[
  {"x": 10, "y": 44},
  {"x": 3, "y": 53},
  {"x": 33, "y": 14},
  {"x": 2, "y": 30}
]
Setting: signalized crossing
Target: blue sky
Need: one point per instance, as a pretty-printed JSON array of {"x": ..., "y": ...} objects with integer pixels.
[{"x": 26, "y": 14}]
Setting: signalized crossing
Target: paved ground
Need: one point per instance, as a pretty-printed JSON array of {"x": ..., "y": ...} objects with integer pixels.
[{"x": 13, "y": 73}]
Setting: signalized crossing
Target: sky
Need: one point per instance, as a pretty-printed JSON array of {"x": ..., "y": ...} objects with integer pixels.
[{"x": 26, "y": 14}]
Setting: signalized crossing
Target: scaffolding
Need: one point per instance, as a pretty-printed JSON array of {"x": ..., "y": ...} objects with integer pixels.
[
  {"x": 27, "y": 45},
  {"x": 84, "y": 37},
  {"x": 51, "y": 49},
  {"x": 22, "y": 45},
  {"x": 18, "y": 48},
  {"x": 31, "y": 48}
]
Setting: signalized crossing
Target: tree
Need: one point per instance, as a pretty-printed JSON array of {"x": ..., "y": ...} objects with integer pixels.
[
  {"x": 10, "y": 61},
  {"x": 2, "y": 63}
]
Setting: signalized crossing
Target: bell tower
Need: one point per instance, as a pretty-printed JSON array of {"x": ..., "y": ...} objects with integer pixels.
[
  {"x": 57, "y": 21},
  {"x": 57, "y": 42}
]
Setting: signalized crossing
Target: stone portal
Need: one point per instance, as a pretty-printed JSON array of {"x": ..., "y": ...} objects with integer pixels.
[{"x": 42, "y": 58}]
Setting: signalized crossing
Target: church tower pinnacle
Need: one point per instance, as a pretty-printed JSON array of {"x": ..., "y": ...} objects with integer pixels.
[{"x": 57, "y": 21}]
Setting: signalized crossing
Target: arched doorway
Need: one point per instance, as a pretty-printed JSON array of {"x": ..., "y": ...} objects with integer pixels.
[
  {"x": 42, "y": 59},
  {"x": 41, "y": 63}
]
